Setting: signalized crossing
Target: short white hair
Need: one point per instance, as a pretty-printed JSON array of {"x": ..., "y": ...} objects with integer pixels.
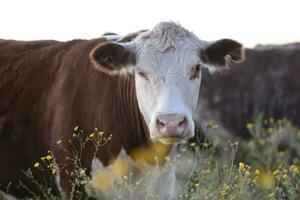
[{"x": 166, "y": 36}]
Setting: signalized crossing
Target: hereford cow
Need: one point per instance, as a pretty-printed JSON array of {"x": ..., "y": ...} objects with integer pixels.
[
  {"x": 266, "y": 83},
  {"x": 139, "y": 91}
]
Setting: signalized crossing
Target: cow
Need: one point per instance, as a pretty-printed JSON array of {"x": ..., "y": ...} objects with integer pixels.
[
  {"x": 141, "y": 89},
  {"x": 267, "y": 84}
]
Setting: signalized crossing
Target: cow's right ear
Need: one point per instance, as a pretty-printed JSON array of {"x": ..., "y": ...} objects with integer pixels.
[
  {"x": 220, "y": 53},
  {"x": 113, "y": 58}
]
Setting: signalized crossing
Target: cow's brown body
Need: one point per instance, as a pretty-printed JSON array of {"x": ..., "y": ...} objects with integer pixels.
[
  {"x": 266, "y": 83},
  {"x": 47, "y": 88}
]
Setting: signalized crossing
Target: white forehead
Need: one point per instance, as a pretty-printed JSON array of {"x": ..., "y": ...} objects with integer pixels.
[
  {"x": 167, "y": 36},
  {"x": 168, "y": 44}
]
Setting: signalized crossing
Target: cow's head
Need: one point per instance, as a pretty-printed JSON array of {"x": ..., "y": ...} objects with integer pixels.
[{"x": 167, "y": 63}]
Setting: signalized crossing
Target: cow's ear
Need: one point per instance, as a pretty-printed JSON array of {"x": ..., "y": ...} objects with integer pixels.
[
  {"x": 222, "y": 52},
  {"x": 113, "y": 58}
]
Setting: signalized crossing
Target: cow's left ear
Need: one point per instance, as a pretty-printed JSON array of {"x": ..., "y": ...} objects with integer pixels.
[
  {"x": 113, "y": 58},
  {"x": 222, "y": 52}
]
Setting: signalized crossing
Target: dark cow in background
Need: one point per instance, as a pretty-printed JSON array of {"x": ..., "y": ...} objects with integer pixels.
[
  {"x": 143, "y": 91},
  {"x": 267, "y": 83}
]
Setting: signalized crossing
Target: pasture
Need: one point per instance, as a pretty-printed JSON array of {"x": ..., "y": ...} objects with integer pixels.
[{"x": 265, "y": 167}]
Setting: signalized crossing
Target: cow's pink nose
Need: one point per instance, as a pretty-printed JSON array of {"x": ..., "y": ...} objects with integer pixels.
[{"x": 171, "y": 125}]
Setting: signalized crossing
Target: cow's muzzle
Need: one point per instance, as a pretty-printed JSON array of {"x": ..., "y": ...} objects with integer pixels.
[{"x": 171, "y": 128}]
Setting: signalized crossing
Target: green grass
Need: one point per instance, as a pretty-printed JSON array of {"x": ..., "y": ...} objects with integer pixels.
[{"x": 265, "y": 167}]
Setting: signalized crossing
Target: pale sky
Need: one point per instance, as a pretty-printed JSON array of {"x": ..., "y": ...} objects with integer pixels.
[{"x": 250, "y": 22}]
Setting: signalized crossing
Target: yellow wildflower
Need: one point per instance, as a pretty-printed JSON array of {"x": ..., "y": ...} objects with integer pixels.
[
  {"x": 212, "y": 125},
  {"x": 53, "y": 171},
  {"x": 285, "y": 177},
  {"x": 119, "y": 167},
  {"x": 193, "y": 144},
  {"x": 271, "y": 194},
  {"x": 266, "y": 180},
  {"x": 261, "y": 141},
  {"x": 223, "y": 193},
  {"x": 294, "y": 169},
  {"x": 276, "y": 173},
  {"x": 269, "y": 130},
  {"x": 249, "y": 125},
  {"x": 82, "y": 172},
  {"x": 43, "y": 158},
  {"x": 36, "y": 165},
  {"x": 125, "y": 177},
  {"x": 76, "y": 128},
  {"x": 49, "y": 157},
  {"x": 226, "y": 187},
  {"x": 197, "y": 184},
  {"x": 101, "y": 181},
  {"x": 183, "y": 149},
  {"x": 205, "y": 171},
  {"x": 58, "y": 142},
  {"x": 205, "y": 144},
  {"x": 257, "y": 172},
  {"x": 247, "y": 173},
  {"x": 101, "y": 133},
  {"x": 215, "y": 126},
  {"x": 242, "y": 166},
  {"x": 92, "y": 135},
  {"x": 281, "y": 153}
]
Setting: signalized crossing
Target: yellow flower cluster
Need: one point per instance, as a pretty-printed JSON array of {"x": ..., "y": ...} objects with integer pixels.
[
  {"x": 48, "y": 157},
  {"x": 225, "y": 190},
  {"x": 266, "y": 180},
  {"x": 212, "y": 125},
  {"x": 249, "y": 125},
  {"x": 100, "y": 133},
  {"x": 294, "y": 169},
  {"x": 101, "y": 181},
  {"x": 256, "y": 176},
  {"x": 281, "y": 174},
  {"x": 242, "y": 166}
]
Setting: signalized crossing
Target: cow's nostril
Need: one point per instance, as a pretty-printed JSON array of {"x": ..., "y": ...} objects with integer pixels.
[
  {"x": 182, "y": 122},
  {"x": 160, "y": 124}
]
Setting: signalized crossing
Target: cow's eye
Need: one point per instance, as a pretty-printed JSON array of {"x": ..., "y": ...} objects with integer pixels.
[
  {"x": 195, "y": 71},
  {"x": 143, "y": 75}
]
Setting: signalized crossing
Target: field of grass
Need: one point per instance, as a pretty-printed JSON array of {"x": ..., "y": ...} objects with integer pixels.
[{"x": 265, "y": 167}]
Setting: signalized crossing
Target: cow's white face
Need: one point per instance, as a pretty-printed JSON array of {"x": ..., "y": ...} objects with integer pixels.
[
  {"x": 167, "y": 87},
  {"x": 167, "y": 63}
]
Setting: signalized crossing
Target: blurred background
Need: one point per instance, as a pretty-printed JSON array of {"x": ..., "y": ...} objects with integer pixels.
[{"x": 250, "y": 22}]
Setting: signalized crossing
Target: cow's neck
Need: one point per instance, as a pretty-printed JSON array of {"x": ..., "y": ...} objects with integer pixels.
[{"x": 139, "y": 134}]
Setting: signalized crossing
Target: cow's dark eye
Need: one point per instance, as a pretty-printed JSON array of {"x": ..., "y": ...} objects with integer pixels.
[
  {"x": 143, "y": 75},
  {"x": 195, "y": 72}
]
